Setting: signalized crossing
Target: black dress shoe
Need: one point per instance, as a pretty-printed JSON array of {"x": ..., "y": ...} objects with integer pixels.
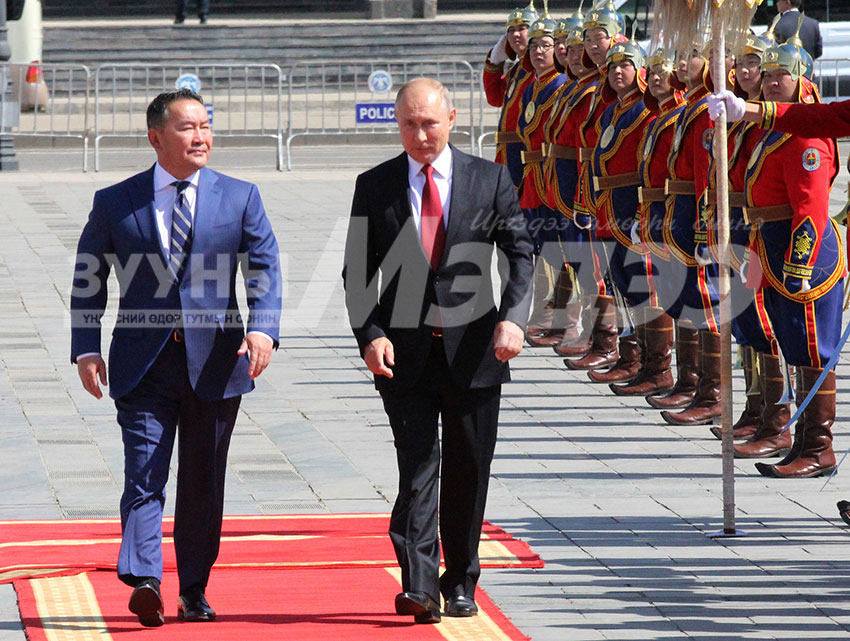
[
  {"x": 460, "y": 606},
  {"x": 844, "y": 511},
  {"x": 192, "y": 606},
  {"x": 146, "y": 602},
  {"x": 423, "y": 608},
  {"x": 179, "y": 20}
]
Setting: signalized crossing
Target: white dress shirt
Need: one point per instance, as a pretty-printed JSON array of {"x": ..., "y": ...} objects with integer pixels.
[
  {"x": 442, "y": 177},
  {"x": 164, "y": 197}
]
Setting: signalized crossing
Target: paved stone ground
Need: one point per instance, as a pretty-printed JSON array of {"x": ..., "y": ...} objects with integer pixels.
[{"x": 618, "y": 505}]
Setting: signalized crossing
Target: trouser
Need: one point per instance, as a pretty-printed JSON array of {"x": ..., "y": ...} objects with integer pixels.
[
  {"x": 183, "y": 8},
  {"x": 469, "y": 420},
  {"x": 161, "y": 407}
]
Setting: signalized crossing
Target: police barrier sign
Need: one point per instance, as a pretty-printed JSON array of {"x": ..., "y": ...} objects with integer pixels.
[{"x": 375, "y": 113}]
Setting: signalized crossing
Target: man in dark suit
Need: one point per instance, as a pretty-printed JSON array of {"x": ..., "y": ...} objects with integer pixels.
[
  {"x": 427, "y": 223},
  {"x": 789, "y": 11},
  {"x": 176, "y": 235}
]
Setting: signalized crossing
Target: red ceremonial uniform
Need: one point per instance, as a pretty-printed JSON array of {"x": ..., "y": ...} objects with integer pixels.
[
  {"x": 809, "y": 120},
  {"x": 561, "y": 167},
  {"x": 537, "y": 104},
  {"x": 504, "y": 89},
  {"x": 655, "y": 150},
  {"x": 588, "y": 135}
]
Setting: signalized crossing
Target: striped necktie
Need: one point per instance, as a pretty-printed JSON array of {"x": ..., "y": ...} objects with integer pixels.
[{"x": 181, "y": 228}]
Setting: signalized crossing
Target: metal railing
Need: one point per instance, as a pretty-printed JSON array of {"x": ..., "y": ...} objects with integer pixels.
[
  {"x": 53, "y": 102},
  {"x": 244, "y": 100},
  {"x": 831, "y": 76},
  {"x": 323, "y": 95}
]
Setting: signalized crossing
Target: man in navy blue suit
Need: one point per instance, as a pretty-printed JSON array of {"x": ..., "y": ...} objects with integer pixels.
[{"x": 176, "y": 235}]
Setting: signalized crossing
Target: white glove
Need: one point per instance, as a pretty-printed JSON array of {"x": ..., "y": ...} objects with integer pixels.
[
  {"x": 634, "y": 234},
  {"x": 701, "y": 254},
  {"x": 725, "y": 100},
  {"x": 497, "y": 54},
  {"x": 743, "y": 270}
]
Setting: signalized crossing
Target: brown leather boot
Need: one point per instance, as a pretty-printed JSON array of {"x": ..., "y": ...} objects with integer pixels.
[
  {"x": 561, "y": 296},
  {"x": 687, "y": 360},
  {"x": 576, "y": 339},
  {"x": 603, "y": 350},
  {"x": 706, "y": 405},
  {"x": 541, "y": 303},
  {"x": 655, "y": 376},
  {"x": 771, "y": 438},
  {"x": 628, "y": 364},
  {"x": 766, "y": 469},
  {"x": 816, "y": 457},
  {"x": 750, "y": 419}
]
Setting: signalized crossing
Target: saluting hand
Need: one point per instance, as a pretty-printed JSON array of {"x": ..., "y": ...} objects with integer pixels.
[{"x": 507, "y": 340}]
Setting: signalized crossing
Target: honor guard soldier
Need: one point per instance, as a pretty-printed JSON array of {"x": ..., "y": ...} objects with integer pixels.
[
  {"x": 666, "y": 103},
  {"x": 797, "y": 257},
  {"x": 566, "y": 318},
  {"x": 602, "y": 27},
  {"x": 561, "y": 169},
  {"x": 764, "y": 417},
  {"x": 685, "y": 289},
  {"x": 536, "y": 104},
  {"x": 615, "y": 185},
  {"x": 504, "y": 88}
]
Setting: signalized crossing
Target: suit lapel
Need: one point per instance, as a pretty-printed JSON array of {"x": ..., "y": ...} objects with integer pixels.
[
  {"x": 401, "y": 187},
  {"x": 459, "y": 205},
  {"x": 141, "y": 199},
  {"x": 207, "y": 210}
]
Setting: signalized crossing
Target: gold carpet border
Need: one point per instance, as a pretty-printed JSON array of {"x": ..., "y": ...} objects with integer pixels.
[{"x": 68, "y": 609}]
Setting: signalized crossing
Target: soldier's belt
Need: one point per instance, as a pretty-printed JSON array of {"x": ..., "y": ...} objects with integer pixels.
[
  {"x": 679, "y": 187},
  {"x": 585, "y": 154},
  {"x": 503, "y": 137},
  {"x": 651, "y": 194},
  {"x": 535, "y": 155},
  {"x": 736, "y": 198},
  {"x": 768, "y": 214},
  {"x": 613, "y": 182},
  {"x": 561, "y": 151}
]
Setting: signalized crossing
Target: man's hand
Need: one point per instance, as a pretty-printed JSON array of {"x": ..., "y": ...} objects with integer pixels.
[
  {"x": 508, "y": 340},
  {"x": 380, "y": 357},
  {"x": 259, "y": 347},
  {"x": 498, "y": 55},
  {"x": 794, "y": 285},
  {"x": 725, "y": 100},
  {"x": 91, "y": 370}
]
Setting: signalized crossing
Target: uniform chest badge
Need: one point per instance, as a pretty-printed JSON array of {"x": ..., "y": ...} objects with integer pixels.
[
  {"x": 677, "y": 139},
  {"x": 811, "y": 159},
  {"x": 754, "y": 158},
  {"x": 529, "y": 112},
  {"x": 802, "y": 245},
  {"x": 707, "y": 137},
  {"x": 607, "y": 136}
]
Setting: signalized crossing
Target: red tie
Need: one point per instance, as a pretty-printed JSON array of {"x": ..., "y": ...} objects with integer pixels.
[{"x": 433, "y": 230}]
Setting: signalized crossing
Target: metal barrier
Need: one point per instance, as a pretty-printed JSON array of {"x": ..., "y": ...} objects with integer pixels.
[
  {"x": 245, "y": 100},
  {"x": 48, "y": 101},
  {"x": 323, "y": 95},
  {"x": 831, "y": 76}
]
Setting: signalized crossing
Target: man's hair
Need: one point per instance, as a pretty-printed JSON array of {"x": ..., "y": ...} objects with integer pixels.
[
  {"x": 157, "y": 114},
  {"x": 796, "y": 3},
  {"x": 433, "y": 84}
]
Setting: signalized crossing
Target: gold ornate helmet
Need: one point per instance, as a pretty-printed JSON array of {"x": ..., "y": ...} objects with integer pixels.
[
  {"x": 522, "y": 16},
  {"x": 757, "y": 45},
  {"x": 661, "y": 57},
  {"x": 630, "y": 50},
  {"x": 544, "y": 26},
  {"x": 567, "y": 25},
  {"x": 605, "y": 17}
]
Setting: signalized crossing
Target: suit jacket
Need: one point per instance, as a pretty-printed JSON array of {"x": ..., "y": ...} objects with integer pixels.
[
  {"x": 230, "y": 228},
  {"x": 382, "y": 237},
  {"x": 809, "y": 32}
]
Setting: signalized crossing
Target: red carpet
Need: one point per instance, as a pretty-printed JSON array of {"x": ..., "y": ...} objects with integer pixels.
[
  {"x": 34, "y": 548},
  {"x": 339, "y": 582},
  {"x": 338, "y": 604}
]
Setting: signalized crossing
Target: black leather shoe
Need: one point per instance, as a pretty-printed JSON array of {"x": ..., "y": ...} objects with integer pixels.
[
  {"x": 179, "y": 20},
  {"x": 146, "y": 602},
  {"x": 460, "y": 606},
  {"x": 423, "y": 608},
  {"x": 192, "y": 606},
  {"x": 844, "y": 511}
]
